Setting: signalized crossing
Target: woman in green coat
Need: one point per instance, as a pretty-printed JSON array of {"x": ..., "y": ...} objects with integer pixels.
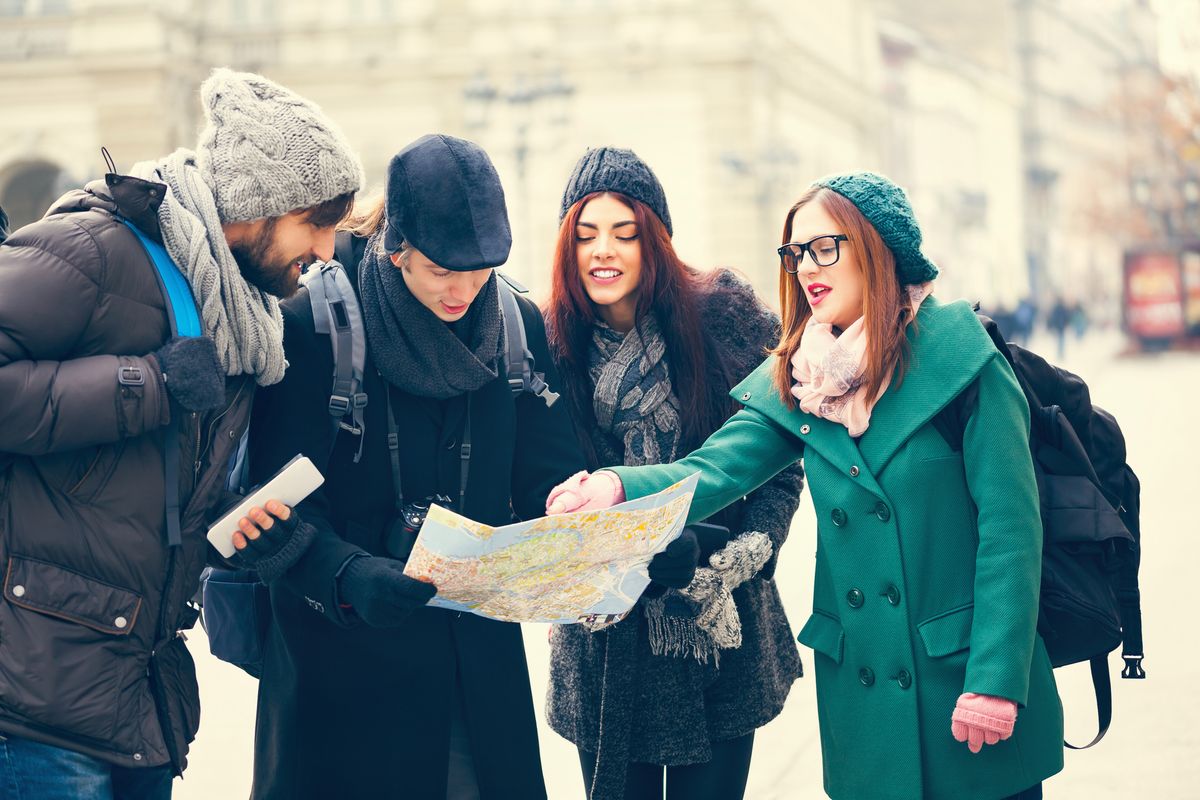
[{"x": 931, "y": 679}]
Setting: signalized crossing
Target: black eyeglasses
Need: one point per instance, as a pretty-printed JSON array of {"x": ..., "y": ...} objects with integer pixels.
[{"x": 825, "y": 252}]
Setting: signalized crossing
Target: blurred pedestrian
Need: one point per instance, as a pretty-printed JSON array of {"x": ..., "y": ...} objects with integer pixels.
[
  {"x": 117, "y": 436},
  {"x": 924, "y": 611},
  {"x": 1057, "y": 321},
  {"x": 649, "y": 348}
]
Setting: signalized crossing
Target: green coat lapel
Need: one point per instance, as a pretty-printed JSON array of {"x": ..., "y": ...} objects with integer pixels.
[{"x": 949, "y": 348}]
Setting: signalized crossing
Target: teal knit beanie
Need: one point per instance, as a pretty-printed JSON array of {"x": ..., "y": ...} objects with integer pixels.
[{"x": 886, "y": 206}]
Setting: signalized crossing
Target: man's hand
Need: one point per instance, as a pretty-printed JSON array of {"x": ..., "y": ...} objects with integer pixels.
[
  {"x": 675, "y": 566},
  {"x": 379, "y": 592},
  {"x": 192, "y": 372},
  {"x": 270, "y": 540}
]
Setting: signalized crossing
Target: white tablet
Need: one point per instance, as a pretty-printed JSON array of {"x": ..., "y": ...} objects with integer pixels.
[{"x": 296, "y": 481}]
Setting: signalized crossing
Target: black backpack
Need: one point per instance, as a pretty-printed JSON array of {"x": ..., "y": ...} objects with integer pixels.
[
  {"x": 236, "y": 605},
  {"x": 1089, "y": 497}
]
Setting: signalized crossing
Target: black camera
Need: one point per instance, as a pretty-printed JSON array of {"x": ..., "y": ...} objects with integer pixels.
[{"x": 402, "y": 533}]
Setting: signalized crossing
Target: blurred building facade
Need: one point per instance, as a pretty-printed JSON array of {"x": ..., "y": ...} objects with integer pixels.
[{"x": 993, "y": 114}]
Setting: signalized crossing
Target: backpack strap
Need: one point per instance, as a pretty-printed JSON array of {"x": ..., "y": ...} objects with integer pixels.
[
  {"x": 185, "y": 321},
  {"x": 518, "y": 361},
  {"x": 336, "y": 314},
  {"x": 1103, "y": 689}
]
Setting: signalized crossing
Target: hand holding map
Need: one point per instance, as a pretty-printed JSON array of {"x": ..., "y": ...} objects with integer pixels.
[{"x": 561, "y": 569}]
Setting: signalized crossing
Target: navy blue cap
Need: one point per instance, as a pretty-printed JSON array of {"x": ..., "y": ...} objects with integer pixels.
[{"x": 445, "y": 199}]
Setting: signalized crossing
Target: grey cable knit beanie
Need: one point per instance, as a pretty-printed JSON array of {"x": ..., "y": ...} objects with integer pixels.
[
  {"x": 266, "y": 151},
  {"x": 612, "y": 169}
]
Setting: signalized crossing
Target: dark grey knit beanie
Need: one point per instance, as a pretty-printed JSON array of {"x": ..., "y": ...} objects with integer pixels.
[{"x": 612, "y": 169}]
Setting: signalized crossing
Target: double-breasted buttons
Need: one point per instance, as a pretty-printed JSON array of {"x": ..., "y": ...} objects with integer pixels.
[
  {"x": 745, "y": 397},
  {"x": 882, "y": 511},
  {"x": 838, "y": 516},
  {"x": 855, "y": 598},
  {"x": 866, "y": 676},
  {"x": 805, "y": 429},
  {"x": 904, "y": 679},
  {"x": 893, "y": 595},
  {"x": 854, "y": 471}
]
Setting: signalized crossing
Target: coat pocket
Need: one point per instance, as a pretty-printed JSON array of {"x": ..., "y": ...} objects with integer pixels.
[
  {"x": 65, "y": 650},
  {"x": 948, "y": 632},
  {"x": 824, "y": 634}
]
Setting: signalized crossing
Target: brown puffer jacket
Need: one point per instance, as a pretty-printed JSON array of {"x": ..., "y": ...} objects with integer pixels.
[{"x": 91, "y": 658}]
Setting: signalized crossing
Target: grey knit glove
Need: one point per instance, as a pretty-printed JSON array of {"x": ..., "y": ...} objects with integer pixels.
[
  {"x": 713, "y": 586},
  {"x": 192, "y": 372}
]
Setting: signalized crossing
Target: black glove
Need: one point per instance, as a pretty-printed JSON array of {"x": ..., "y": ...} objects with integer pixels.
[
  {"x": 192, "y": 372},
  {"x": 675, "y": 566},
  {"x": 711, "y": 538},
  {"x": 278, "y": 546},
  {"x": 379, "y": 591}
]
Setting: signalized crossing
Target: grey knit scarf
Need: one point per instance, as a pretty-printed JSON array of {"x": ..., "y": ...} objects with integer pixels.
[
  {"x": 243, "y": 321},
  {"x": 413, "y": 349}
]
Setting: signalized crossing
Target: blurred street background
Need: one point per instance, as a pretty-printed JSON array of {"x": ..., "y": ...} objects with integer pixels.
[{"x": 1051, "y": 149}]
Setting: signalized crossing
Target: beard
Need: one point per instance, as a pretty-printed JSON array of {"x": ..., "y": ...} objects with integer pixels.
[{"x": 263, "y": 267}]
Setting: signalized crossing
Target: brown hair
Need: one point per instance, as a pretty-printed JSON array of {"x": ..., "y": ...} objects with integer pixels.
[
  {"x": 331, "y": 212},
  {"x": 670, "y": 290},
  {"x": 885, "y": 312}
]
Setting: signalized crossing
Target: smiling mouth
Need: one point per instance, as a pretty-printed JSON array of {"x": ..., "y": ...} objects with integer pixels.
[
  {"x": 817, "y": 293},
  {"x": 605, "y": 274}
]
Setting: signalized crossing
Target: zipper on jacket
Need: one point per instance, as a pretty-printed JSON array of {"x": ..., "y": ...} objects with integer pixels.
[
  {"x": 202, "y": 445},
  {"x": 164, "y": 716}
]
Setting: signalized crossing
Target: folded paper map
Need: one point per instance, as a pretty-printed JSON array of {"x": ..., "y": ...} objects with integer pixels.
[{"x": 586, "y": 565}]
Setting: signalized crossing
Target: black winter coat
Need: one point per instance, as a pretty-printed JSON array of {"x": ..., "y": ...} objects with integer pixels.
[
  {"x": 93, "y": 597},
  {"x": 350, "y": 711}
]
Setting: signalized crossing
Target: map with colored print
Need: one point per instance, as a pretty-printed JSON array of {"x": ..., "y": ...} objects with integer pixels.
[{"x": 564, "y": 568}]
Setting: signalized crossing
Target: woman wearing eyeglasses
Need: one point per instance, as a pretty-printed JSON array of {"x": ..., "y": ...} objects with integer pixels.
[
  {"x": 648, "y": 349},
  {"x": 931, "y": 679}
]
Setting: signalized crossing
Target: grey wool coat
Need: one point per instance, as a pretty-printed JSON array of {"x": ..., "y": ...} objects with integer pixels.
[{"x": 670, "y": 709}]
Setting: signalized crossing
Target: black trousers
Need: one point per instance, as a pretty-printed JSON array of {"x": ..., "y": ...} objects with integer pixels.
[{"x": 722, "y": 778}]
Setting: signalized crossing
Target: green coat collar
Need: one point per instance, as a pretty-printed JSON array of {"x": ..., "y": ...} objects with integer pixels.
[{"x": 949, "y": 348}]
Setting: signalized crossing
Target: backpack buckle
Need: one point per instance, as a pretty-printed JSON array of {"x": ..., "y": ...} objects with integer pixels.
[
  {"x": 1133, "y": 668},
  {"x": 339, "y": 405}
]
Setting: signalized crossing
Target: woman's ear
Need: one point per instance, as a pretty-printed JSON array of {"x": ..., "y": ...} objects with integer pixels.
[{"x": 395, "y": 257}]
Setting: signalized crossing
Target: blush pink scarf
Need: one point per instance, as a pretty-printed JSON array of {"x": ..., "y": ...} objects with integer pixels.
[{"x": 828, "y": 370}]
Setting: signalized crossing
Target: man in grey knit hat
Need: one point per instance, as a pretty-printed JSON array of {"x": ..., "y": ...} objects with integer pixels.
[{"x": 136, "y": 321}]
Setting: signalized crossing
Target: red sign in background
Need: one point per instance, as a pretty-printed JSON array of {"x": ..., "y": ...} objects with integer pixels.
[{"x": 1154, "y": 297}]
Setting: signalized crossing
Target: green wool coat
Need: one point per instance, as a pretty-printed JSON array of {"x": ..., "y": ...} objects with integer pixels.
[{"x": 928, "y": 566}]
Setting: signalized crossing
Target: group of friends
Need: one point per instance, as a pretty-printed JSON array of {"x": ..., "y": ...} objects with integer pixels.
[{"x": 931, "y": 679}]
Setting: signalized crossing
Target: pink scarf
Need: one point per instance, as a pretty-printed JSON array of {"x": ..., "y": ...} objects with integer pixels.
[{"x": 828, "y": 370}]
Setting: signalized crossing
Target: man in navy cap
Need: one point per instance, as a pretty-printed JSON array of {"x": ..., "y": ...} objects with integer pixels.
[{"x": 437, "y": 705}]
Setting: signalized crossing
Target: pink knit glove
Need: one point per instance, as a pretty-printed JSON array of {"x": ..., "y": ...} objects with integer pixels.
[
  {"x": 586, "y": 492},
  {"x": 980, "y": 719}
]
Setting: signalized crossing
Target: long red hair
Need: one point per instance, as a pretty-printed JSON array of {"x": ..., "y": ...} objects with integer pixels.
[
  {"x": 670, "y": 290},
  {"x": 885, "y": 311}
]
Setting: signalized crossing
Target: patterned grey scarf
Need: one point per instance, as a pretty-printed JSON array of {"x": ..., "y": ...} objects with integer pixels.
[{"x": 243, "y": 321}]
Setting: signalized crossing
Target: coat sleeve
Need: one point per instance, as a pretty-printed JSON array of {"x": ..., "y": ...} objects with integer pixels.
[
  {"x": 745, "y": 328},
  {"x": 1008, "y": 562},
  {"x": 49, "y": 401},
  {"x": 292, "y": 417},
  {"x": 546, "y": 451},
  {"x": 741, "y": 455}
]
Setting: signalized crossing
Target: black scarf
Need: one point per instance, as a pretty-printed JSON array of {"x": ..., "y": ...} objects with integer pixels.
[{"x": 414, "y": 350}]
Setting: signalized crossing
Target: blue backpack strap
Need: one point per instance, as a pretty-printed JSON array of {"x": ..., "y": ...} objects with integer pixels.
[{"x": 185, "y": 321}]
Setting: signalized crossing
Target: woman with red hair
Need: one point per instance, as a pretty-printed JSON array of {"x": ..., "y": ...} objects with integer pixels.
[
  {"x": 925, "y": 597},
  {"x": 648, "y": 349}
]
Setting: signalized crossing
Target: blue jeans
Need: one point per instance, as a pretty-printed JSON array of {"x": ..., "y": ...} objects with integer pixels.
[{"x": 33, "y": 771}]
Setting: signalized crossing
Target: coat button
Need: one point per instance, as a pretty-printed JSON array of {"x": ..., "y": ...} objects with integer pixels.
[
  {"x": 120, "y": 622},
  {"x": 137, "y": 756},
  {"x": 893, "y": 595},
  {"x": 805, "y": 429},
  {"x": 866, "y": 676},
  {"x": 904, "y": 679},
  {"x": 882, "y": 511},
  {"x": 745, "y": 397},
  {"x": 18, "y": 591},
  {"x": 854, "y": 472},
  {"x": 855, "y": 598},
  {"x": 838, "y": 516}
]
